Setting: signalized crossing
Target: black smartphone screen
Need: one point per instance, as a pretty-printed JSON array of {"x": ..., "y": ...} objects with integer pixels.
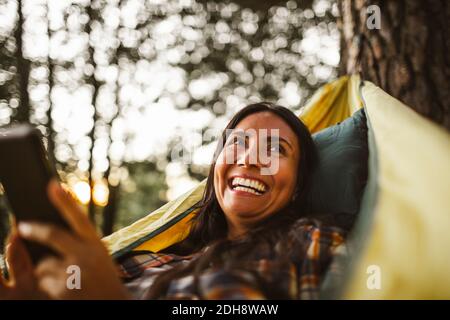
[{"x": 25, "y": 172}]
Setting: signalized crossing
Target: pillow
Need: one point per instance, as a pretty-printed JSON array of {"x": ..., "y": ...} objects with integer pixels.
[{"x": 339, "y": 180}]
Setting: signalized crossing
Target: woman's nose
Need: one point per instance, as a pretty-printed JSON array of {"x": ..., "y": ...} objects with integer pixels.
[{"x": 249, "y": 156}]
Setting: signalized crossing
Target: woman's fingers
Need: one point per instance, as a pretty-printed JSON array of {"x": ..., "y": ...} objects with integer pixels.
[
  {"x": 19, "y": 262},
  {"x": 51, "y": 236},
  {"x": 70, "y": 210},
  {"x": 49, "y": 267},
  {"x": 20, "y": 270},
  {"x": 52, "y": 275}
]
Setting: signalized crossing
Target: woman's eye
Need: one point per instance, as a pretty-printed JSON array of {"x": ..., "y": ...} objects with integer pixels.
[
  {"x": 277, "y": 148},
  {"x": 238, "y": 141},
  {"x": 235, "y": 141}
]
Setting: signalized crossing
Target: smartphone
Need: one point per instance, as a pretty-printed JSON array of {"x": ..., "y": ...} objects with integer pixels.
[{"x": 25, "y": 171}]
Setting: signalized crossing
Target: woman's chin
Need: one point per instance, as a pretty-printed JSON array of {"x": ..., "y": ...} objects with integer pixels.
[
  {"x": 238, "y": 208},
  {"x": 244, "y": 205}
]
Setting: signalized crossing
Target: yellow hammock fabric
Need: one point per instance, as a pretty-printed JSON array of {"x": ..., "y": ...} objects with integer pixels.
[
  {"x": 409, "y": 215},
  {"x": 409, "y": 237}
]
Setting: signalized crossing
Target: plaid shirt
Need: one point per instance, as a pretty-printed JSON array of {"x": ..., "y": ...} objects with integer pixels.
[{"x": 311, "y": 250}]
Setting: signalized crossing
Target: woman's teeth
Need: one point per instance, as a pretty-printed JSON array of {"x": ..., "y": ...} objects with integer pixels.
[
  {"x": 248, "y": 185},
  {"x": 247, "y": 190}
]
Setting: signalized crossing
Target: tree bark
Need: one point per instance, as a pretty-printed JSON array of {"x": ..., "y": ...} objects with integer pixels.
[
  {"x": 110, "y": 211},
  {"x": 23, "y": 70},
  {"x": 407, "y": 57},
  {"x": 95, "y": 88},
  {"x": 50, "y": 66}
]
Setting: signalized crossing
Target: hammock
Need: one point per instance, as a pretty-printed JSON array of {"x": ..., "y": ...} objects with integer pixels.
[{"x": 404, "y": 216}]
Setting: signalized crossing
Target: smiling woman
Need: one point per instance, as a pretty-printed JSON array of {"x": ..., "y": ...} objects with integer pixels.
[{"x": 249, "y": 239}]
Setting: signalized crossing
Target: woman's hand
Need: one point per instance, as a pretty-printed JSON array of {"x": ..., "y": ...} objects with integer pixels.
[
  {"x": 81, "y": 248},
  {"x": 22, "y": 283}
]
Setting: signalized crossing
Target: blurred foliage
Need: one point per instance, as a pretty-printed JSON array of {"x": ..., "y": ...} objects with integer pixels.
[{"x": 143, "y": 192}]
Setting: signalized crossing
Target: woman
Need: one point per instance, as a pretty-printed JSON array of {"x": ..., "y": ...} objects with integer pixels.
[{"x": 249, "y": 240}]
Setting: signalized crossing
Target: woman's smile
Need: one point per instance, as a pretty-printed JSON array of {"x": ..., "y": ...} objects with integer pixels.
[{"x": 247, "y": 186}]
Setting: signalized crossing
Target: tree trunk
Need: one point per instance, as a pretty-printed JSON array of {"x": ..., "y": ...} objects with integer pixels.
[
  {"x": 110, "y": 211},
  {"x": 50, "y": 131},
  {"x": 407, "y": 57},
  {"x": 95, "y": 87},
  {"x": 23, "y": 70}
]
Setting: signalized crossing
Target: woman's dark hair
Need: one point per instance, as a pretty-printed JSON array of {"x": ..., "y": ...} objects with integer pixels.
[{"x": 209, "y": 226}]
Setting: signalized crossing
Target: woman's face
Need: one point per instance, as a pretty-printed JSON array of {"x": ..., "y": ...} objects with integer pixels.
[{"x": 245, "y": 193}]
